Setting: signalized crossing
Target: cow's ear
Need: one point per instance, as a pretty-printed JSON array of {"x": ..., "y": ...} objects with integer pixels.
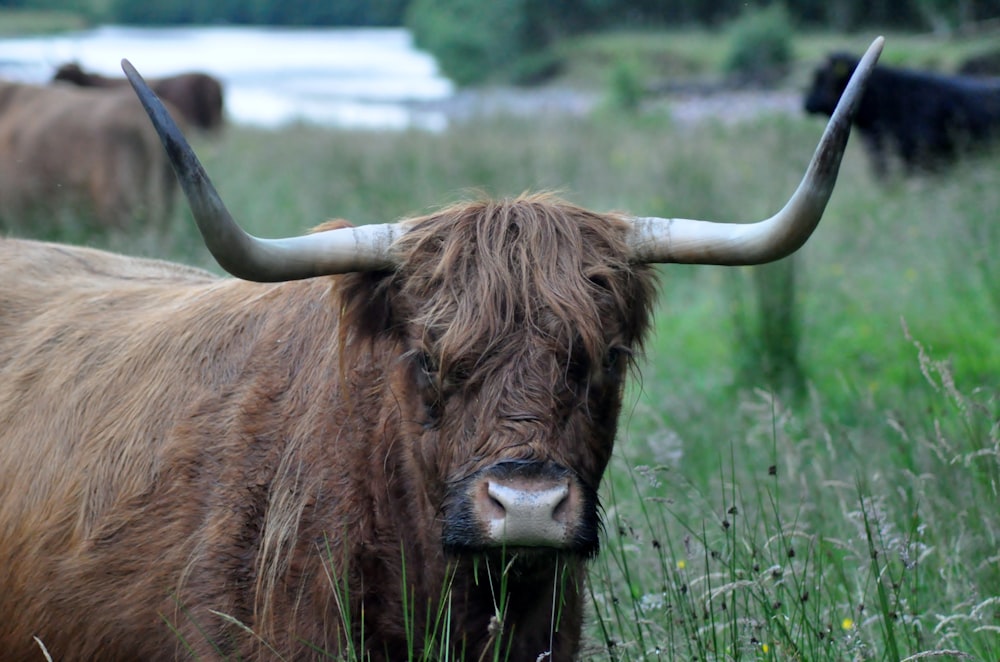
[
  {"x": 363, "y": 297},
  {"x": 332, "y": 224},
  {"x": 365, "y": 301}
]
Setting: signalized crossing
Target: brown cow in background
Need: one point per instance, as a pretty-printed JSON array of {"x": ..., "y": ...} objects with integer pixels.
[
  {"x": 350, "y": 457},
  {"x": 198, "y": 96},
  {"x": 79, "y": 154}
]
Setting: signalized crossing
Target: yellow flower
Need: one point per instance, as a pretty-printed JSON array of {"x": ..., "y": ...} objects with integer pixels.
[
  {"x": 764, "y": 648},
  {"x": 681, "y": 564},
  {"x": 847, "y": 623}
]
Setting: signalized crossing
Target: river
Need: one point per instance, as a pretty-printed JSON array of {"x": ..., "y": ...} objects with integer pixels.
[
  {"x": 368, "y": 78},
  {"x": 348, "y": 77}
]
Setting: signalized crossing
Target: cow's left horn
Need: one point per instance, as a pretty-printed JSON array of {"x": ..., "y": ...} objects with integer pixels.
[
  {"x": 364, "y": 248},
  {"x": 706, "y": 242}
]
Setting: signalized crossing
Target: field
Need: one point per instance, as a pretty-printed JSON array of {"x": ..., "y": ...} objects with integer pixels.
[
  {"x": 821, "y": 489},
  {"x": 854, "y": 516}
]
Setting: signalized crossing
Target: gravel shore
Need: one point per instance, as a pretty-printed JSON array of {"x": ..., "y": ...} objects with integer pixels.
[{"x": 727, "y": 106}]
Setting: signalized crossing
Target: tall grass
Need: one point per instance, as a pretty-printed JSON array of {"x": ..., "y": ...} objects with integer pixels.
[
  {"x": 810, "y": 540},
  {"x": 856, "y": 521}
]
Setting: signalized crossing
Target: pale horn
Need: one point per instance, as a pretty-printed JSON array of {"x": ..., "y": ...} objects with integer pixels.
[
  {"x": 705, "y": 242},
  {"x": 364, "y": 248}
]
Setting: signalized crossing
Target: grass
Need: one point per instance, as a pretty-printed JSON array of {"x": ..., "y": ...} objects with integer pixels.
[
  {"x": 856, "y": 522},
  {"x": 808, "y": 540}
]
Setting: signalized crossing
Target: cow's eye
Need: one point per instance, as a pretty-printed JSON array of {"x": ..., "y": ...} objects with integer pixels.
[
  {"x": 426, "y": 375},
  {"x": 427, "y": 378},
  {"x": 578, "y": 370},
  {"x": 600, "y": 282},
  {"x": 427, "y": 365},
  {"x": 615, "y": 360},
  {"x": 432, "y": 413},
  {"x": 460, "y": 372}
]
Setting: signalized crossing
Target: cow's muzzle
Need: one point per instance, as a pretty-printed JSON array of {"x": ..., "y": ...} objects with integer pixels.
[{"x": 518, "y": 504}]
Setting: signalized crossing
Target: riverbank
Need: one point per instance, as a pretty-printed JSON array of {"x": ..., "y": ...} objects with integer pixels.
[{"x": 727, "y": 106}]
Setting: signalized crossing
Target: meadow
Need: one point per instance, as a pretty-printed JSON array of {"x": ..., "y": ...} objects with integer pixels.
[{"x": 823, "y": 490}]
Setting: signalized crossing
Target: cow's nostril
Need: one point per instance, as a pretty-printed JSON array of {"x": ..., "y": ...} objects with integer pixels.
[
  {"x": 496, "y": 508},
  {"x": 561, "y": 510}
]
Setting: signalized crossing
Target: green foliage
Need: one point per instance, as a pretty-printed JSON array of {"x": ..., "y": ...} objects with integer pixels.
[
  {"x": 625, "y": 85},
  {"x": 475, "y": 42},
  {"x": 760, "y": 48},
  {"x": 471, "y": 40},
  {"x": 269, "y": 12}
]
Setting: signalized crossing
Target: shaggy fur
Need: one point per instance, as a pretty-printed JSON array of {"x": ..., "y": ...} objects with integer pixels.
[
  {"x": 85, "y": 152},
  {"x": 176, "y": 447},
  {"x": 198, "y": 96}
]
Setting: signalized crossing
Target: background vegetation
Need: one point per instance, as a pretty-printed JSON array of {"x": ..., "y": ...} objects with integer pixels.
[
  {"x": 547, "y": 16},
  {"x": 848, "y": 512},
  {"x": 518, "y": 39}
]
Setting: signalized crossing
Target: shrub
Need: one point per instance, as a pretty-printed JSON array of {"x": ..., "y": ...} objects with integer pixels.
[
  {"x": 760, "y": 49},
  {"x": 471, "y": 40},
  {"x": 625, "y": 86}
]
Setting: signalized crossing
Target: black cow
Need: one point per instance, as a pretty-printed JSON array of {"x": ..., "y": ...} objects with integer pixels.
[
  {"x": 927, "y": 120},
  {"x": 982, "y": 64}
]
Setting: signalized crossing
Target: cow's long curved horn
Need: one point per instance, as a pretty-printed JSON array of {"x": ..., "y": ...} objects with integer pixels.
[
  {"x": 706, "y": 242},
  {"x": 364, "y": 248}
]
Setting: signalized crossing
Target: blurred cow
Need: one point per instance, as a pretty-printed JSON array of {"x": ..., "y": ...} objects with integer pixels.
[
  {"x": 925, "y": 119},
  {"x": 985, "y": 64},
  {"x": 198, "y": 96},
  {"x": 83, "y": 154}
]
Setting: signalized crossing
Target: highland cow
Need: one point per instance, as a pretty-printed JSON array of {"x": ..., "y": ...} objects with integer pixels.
[
  {"x": 197, "y": 95},
  {"x": 354, "y": 454},
  {"x": 82, "y": 155}
]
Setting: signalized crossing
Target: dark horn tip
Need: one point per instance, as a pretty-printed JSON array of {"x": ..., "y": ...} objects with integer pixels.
[{"x": 130, "y": 71}]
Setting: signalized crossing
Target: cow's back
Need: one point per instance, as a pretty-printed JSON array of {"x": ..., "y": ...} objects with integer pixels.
[{"x": 89, "y": 152}]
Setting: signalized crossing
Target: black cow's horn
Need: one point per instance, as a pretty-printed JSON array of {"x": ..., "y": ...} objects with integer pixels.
[
  {"x": 706, "y": 242},
  {"x": 365, "y": 248}
]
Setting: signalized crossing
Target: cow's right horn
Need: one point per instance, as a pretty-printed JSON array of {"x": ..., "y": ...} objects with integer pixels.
[
  {"x": 364, "y": 248},
  {"x": 706, "y": 242}
]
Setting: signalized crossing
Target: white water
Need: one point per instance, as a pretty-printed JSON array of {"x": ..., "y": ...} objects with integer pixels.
[{"x": 372, "y": 78}]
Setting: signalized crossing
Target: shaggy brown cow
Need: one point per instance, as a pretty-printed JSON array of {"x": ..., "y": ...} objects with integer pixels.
[
  {"x": 349, "y": 464},
  {"x": 82, "y": 152},
  {"x": 198, "y": 96}
]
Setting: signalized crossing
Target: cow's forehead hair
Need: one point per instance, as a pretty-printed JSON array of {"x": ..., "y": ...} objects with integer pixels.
[{"x": 477, "y": 273}]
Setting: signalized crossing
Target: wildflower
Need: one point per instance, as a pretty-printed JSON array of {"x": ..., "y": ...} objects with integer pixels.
[
  {"x": 681, "y": 564},
  {"x": 847, "y": 623}
]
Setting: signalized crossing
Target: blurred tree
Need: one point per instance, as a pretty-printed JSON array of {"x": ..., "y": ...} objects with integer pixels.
[
  {"x": 471, "y": 39},
  {"x": 266, "y": 12},
  {"x": 528, "y": 26}
]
